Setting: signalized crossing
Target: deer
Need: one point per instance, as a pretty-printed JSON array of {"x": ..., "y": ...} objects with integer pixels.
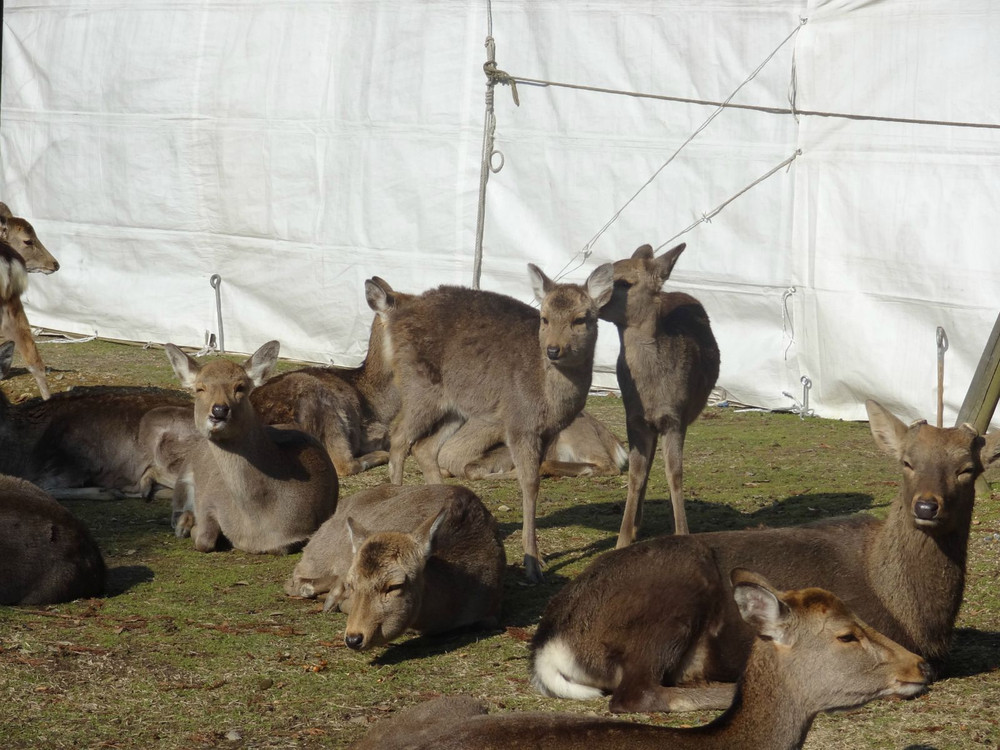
[
  {"x": 112, "y": 439},
  {"x": 426, "y": 558},
  {"x": 347, "y": 409},
  {"x": 904, "y": 574},
  {"x": 460, "y": 354},
  {"x": 47, "y": 555},
  {"x": 585, "y": 448},
  {"x": 809, "y": 654},
  {"x": 668, "y": 363},
  {"x": 20, "y": 252},
  {"x": 260, "y": 488}
]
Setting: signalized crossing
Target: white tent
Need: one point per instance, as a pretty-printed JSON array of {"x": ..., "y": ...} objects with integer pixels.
[{"x": 296, "y": 147}]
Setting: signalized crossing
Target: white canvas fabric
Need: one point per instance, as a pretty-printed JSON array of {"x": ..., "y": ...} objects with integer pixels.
[{"x": 297, "y": 147}]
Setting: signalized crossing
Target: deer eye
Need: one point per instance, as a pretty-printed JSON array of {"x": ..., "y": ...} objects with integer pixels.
[
  {"x": 966, "y": 472},
  {"x": 907, "y": 465},
  {"x": 579, "y": 321},
  {"x": 847, "y": 638},
  {"x": 240, "y": 388},
  {"x": 545, "y": 321},
  {"x": 393, "y": 588}
]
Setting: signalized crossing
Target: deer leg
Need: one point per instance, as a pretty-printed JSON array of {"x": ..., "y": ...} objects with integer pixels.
[
  {"x": 642, "y": 446},
  {"x": 15, "y": 326},
  {"x": 6, "y": 358},
  {"x": 526, "y": 452},
  {"x": 468, "y": 453},
  {"x": 206, "y": 533},
  {"x": 673, "y": 456},
  {"x": 426, "y": 450}
]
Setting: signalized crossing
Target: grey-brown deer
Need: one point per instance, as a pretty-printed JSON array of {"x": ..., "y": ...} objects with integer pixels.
[
  {"x": 263, "y": 489},
  {"x": 94, "y": 438},
  {"x": 460, "y": 354},
  {"x": 427, "y": 558},
  {"x": 810, "y": 654},
  {"x": 904, "y": 575},
  {"x": 348, "y": 409},
  {"x": 20, "y": 251},
  {"x": 667, "y": 366},
  {"x": 47, "y": 555}
]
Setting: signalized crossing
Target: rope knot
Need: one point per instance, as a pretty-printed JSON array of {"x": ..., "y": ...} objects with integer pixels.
[{"x": 494, "y": 76}]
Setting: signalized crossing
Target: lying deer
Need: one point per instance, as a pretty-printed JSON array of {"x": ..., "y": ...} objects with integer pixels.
[
  {"x": 585, "y": 448},
  {"x": 347, "y": 409},
  {"x": 113, "y": 438},
  {"x": 904, "y": 575},
  {"x": 46, "y": 554},
  {"x": 18, "y": 242},
  {"x": 461, "y": 354},
  {"x": 667, "y": 367},
  {"x": 809, "y": 654},
  {"x": 265, "y": 489},
  {"x": 427, "y": 558}
]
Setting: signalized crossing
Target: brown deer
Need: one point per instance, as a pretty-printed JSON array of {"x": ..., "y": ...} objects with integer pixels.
[
  {"x": 667, "y": 366},
  {"x": 20, "y": 251},
  {"x": 460, "y": 354},
  {"x": 427, "y": 558},
  {"x": 585, "y": 448},
  {"x": 809, "y": 654},
  {"x": 264, "y": 489},
  {"x": 904, "y": 575},
  {"x": 46, "y": 554},
  {"x": 113, "y": 438},
  {"x": 347, "y": 409}
]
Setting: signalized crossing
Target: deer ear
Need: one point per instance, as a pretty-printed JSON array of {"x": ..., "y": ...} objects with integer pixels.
[
  {"x": 184, "y": 366},
  {"x": 665, "y": 263},
  {"x": 643, "y": 252},
  {"x": 887, "y": 429},
  {"x": 379, "y": 295},
  {"x": 357, "y": 533},
  {"x": 261, "y": 363},
  {"x": 540, "y": 283},
  {"x": 427, "y": 531},
  {"x": 601, "y": 283},
  {"x": 760, "y": 605}
]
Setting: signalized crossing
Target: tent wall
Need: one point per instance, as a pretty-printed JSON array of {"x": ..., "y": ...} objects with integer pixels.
[{"x": 296, "y": 147}]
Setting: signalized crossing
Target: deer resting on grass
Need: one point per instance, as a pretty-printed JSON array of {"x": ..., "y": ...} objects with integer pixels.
[
  {"x": 394, "y": 558},
  {"x": 809, "y": 654},
  {"x": 460, "y": 354},
  {"x": 264, "y": 489},
  {"x": 667, "y": 366},
  {"x": 904, "y": 575},
  {"x": 47, "y": 555}
]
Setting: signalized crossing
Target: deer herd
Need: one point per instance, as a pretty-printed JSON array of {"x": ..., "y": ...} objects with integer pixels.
[{"x": 773, "y": 626}]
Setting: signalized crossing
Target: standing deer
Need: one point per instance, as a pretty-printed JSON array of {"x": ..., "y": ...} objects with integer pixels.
[
  {"x": 347, "y": 409},
  {"x": 20, "y": 251},
  {"x": 427, "y": 557},
  {"x": 809, "y": 654},
  {"x": 265, "y": 489},
  {"x": 904, "y": 575},
  {"x": 667, "y": 367},
  {"x": 111, "y": 438},
  {"x": 46, "y": 554},
  {"x": 460, "y": 354}
]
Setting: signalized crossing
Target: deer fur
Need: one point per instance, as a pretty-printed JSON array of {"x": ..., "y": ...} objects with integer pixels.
[
  {"x": 904, "y": 575},
  {"x": 809, "y": 654},
  {"x": 21, "y": 236},
  {"x": 264, "y": 489},
  {"x": 427, "y": 558},
  {"x": 667, "y": 366},
  {"x": 94, "y": 437},
  {"x": 585, "y": 448},
  {"x": 347, "y": 409},
  {"x": 460, "y": 354},
  {"x": 46, "y": 554}
]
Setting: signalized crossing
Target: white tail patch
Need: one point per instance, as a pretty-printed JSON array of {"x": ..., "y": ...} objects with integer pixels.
[
  {"x": 13, "y": 278},
  {"x": 557, "y": 674},
  {"x": 621, "y": 457}
]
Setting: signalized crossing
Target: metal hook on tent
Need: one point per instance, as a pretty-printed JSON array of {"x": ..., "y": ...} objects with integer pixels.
[{"x": 216, "y": 282}]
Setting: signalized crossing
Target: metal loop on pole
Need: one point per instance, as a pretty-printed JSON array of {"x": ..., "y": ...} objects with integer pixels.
[{"x": 216, "y": 282}]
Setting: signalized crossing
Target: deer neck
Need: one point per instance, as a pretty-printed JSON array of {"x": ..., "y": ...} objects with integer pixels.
[
  {"x": 767, "y": 710},
  {"x": 247, "y": 455},
  {"x": 564, "y": 389},
  {"x": 920, "y": 578}
]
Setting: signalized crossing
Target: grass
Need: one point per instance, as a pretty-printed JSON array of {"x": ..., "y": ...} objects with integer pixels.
[{"x": 189, "y": 650}]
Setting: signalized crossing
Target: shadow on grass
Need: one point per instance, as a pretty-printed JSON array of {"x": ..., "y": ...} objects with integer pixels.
[
  {"x": 973, "y": 652},
  {"x": 431, "y": 645},
  {"x": 124, "y": 577}
]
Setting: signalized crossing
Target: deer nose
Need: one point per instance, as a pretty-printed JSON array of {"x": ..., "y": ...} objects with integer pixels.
[
  {"x": 926, "y": 509},
  {"x": 354, "y": 640},
  {"x": 552, "y": 352},
  {"x": 220, "y": 411}
]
